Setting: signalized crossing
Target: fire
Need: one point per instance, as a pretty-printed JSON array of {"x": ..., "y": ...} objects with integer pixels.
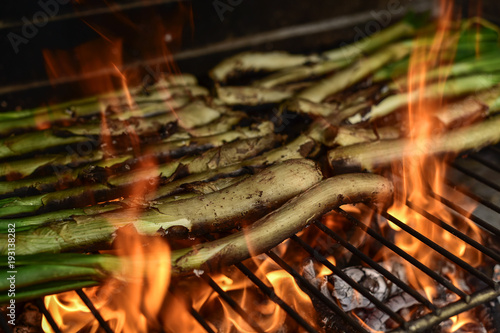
[
  {"x": 129, "y": 302},
  {"x": 419, "y": 173},
  {"x": 136, "y": 299},
  {"x": 459, "y": 321},
  {"x": 265, "y": 312}
]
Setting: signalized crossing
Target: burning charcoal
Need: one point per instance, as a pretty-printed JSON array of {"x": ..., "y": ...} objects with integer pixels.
[
  {"x": 369, "y": 278},
  {"x": 489, "y": 315},
  {"x": 309, "y": 272},
  {"x": 29, "y": 320},
  {"x": 377, "y": 318},
  {"x": 326, "y": 317}
]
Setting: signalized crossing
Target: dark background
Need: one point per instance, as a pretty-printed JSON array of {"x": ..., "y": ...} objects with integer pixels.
[{"x": 88, "y": 37}]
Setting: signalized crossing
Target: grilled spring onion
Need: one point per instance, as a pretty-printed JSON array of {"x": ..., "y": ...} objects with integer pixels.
[
  {"x": 220, "y": 210},
  {"x": 48, "y": 273}
]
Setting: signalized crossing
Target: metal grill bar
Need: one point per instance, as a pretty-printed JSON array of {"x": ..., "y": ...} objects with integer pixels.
[
  {"x": 441, "y": 280},
  {"x": 363, "y": 291},
  {"x": 474, "y": 175},
  {"x": 492, "y": 254},
  {"x": 479, "y": 221},
  {"x": 275, "y": 298},
  {"x": 41, "y": 306},
  {"x": 104, "y": 325},
  {"x": 305, "y": 284},
  {"x": 108, "y": 9},
  {"x": 235, "y": 306},
  {"x": 479, "y": 158},
  {"x": 377, "y": 267},
  {"x": 199, "y": 318},
  {"x": 451, "y": 310},
  {"x": 473, "y": 196},
  {"x": 447, "y": 254}
]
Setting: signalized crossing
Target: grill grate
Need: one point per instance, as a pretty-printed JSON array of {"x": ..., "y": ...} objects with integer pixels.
[{"x": 466, "y": 300}]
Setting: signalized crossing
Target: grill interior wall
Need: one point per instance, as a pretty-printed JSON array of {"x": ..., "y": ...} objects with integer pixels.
[{"x": 248, "y": 22}]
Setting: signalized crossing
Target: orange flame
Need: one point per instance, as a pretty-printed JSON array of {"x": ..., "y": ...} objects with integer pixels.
[
  {"x": 136, "y": 299},
  {"x": 420, "y": 172},
  {"x": 266, "y": 313},
  {"x": 460, "y": 320},
  {"x": 131, "y": 301}
]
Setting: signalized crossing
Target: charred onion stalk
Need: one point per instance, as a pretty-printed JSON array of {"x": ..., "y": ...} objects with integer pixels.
[
  {"x": 166, "y": 88},
  {"x": 283, "y": 223},
  {"x": 175, "y": 148},
  {"x": 44, "y": 274},
  {"x": 484, "y": 64},
  {"x": 354, "y": 73},
  {"x": 48, "y": 274},
  {"x": 80, "y": 196},
  {"x": 257, "y": 61},
  {"x": 238, "y": 154},
  {"x": 205, "y": 182},
  {"x": 220, "y": 210},
  {"x": 164, "y": 82},
  {"x": 146, "y": 106},
  {"x": 193, "y": 115},
  {"x": 381, "y": 153},
  {"x": 252, "y": 95},
  {"x": 453, "y": 88},
  {"x": 61, "y": 161},
  {"x": 311, "y": 108},
  {"x": 350, "y": 135},
  {"x": 298, "y": 73},
  {"x": 291, "y": 65},
  {"x": 189, "y": 187}
]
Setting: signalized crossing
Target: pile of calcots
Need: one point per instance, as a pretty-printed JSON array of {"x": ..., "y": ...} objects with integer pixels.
[{"x": 181, "y": 162}]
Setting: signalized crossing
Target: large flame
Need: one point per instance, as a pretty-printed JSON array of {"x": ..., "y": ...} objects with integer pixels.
[
  {"x": 418, "y": 173},
  {"x": 131, "y": 301},
  {"x": 136, "y": 299},
  {"x": 265, "y": 312}
]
